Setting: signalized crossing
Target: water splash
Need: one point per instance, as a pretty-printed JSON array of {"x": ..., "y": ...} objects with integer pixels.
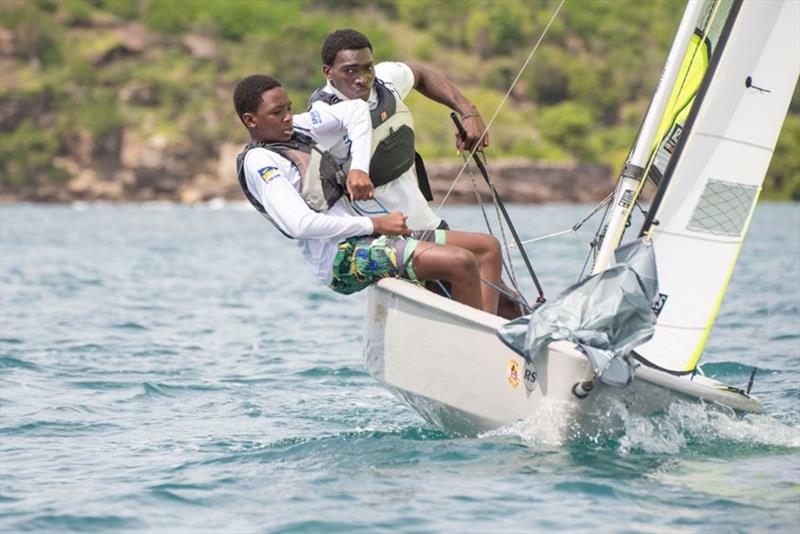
[
  {"x": 682, "y": 426},
  {"x": 699, "y": 425}
]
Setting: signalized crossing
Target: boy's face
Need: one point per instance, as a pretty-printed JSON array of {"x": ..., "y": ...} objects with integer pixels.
[
  {"x": 352, "y": 73},
  {"x": 273, "y": 120}
]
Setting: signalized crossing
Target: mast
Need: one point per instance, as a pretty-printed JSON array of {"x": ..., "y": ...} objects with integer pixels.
[{"x": 633, "y": 172}]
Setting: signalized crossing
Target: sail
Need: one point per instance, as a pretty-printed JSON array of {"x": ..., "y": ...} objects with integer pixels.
[{"x": 716, "y": 142}]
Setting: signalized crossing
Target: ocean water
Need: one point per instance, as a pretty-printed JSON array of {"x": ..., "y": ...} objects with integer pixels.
[{"x": 167, "y": 368}]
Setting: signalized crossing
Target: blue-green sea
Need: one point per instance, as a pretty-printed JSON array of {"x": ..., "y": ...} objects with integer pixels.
[{"x": 168, "y": 368}]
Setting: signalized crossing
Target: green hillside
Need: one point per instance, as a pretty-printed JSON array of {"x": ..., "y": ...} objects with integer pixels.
[{"x": 84, "y": 81}]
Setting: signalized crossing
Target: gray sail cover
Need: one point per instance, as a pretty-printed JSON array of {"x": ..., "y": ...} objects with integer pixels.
[{"x": 606, "y": 315}]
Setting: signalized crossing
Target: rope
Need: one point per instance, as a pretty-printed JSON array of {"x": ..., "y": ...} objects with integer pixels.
[
  {"x": 511, "y": 296},
  {"x": 574, "y": 228},
  {"x": 508, "y": 266},
  {"x": 593, "y": 246},
  {"x": 512, "y": 274},
  {"x": 548, "y": 236}
]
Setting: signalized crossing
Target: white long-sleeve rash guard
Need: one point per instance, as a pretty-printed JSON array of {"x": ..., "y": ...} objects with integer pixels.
[{"x": 275, "y": 182}]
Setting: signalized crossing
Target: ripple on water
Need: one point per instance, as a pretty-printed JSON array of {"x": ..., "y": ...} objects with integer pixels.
[
  {"x": 587, "y": 488},
  {"x": 79, "y": 523},
  {"x": 57, "y": 428},
  {"x": 129, "y": 326},
  {"x": 10, "y": 362},
  {"x": 103, "y": 385},
  {"x": 192, "y": 494},
  {"x": 171, "y": 390},
  {"x": 322, "y": 371}
]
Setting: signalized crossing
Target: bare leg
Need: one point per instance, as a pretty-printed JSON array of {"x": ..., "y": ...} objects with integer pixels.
[
  {"x": 455, "y": 265},
  {"x": 487, "y": 251}
]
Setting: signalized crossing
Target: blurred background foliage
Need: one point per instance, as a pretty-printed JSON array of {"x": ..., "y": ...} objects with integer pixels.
[{"x": 78, "y": 73}]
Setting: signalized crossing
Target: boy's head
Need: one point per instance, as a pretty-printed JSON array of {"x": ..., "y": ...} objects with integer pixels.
[
  {"x": 347, "y": 63},
  {"x": 264, "y": 108}
]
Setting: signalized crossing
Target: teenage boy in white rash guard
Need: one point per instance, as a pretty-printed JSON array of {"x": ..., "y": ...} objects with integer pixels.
[
  {"x": 347, "y": 64},
  {"x": 350, "y": 73},
  {"x": 287, "y": 174}
]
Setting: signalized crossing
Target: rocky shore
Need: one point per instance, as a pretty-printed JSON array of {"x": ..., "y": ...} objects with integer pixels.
[
  {"x": 136, "y": 161},
  {"x": 147, "y": 172}
]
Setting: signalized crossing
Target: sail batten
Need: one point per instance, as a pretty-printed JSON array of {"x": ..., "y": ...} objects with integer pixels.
[{"x": 767, "y": 148}]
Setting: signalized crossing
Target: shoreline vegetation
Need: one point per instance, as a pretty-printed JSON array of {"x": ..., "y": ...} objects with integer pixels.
[{"x": 130, "y": 100}]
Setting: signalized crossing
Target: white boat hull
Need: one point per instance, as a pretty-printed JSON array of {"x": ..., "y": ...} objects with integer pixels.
[{"x": 445, "y": 360}]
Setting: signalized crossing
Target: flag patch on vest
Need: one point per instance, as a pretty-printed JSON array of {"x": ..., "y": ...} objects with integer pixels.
[{"x": 268, "y": 173}]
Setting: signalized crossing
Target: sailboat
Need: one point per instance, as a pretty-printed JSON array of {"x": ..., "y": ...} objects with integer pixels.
[{"x": 706, "y": 142}]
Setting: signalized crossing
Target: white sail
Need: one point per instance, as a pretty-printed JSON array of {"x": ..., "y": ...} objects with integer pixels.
[{"x": 713, "y": 163}]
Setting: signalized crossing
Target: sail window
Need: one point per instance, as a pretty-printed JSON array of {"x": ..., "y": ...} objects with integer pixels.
[{"x": 723, "y": 208}]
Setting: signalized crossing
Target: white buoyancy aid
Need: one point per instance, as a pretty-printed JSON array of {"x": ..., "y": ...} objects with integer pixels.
[
  {"x": 322, "y": 178},
  {"x": 393, "y": 151}
]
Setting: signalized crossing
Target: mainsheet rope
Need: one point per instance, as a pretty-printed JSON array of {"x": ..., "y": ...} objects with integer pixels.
[{"x": 508, "y": 265}]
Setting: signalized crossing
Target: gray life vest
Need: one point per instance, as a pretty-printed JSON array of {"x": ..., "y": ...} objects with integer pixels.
[
  {"x": 322, "y": 179},
  {"x": 392, "y": 135}
]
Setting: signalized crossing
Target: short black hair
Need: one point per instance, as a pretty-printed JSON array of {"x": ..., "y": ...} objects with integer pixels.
[
  {"x": 247, "y": 94},
  {"x": 342, "y": 40}
]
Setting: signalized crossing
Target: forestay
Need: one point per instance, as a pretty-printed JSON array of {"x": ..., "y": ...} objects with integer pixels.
[{"x": 716, "y": 143}]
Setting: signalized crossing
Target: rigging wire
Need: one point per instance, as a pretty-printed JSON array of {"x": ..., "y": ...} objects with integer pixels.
[
  {"x": 595, "y": 243},
  {"x": 577, "y": 226},
  {"x": 497, "y": 213},
  {"x": 508, "y": 266},
  {"x": 500, "y": 105},
  {"x": 499, "y": 204}
]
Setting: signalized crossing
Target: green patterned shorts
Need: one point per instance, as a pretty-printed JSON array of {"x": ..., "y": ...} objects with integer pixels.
[{"x": 363, "y": 260}]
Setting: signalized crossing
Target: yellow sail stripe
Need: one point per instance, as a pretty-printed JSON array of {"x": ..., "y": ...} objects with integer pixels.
[
  {"x": 693, "y": 69},
  {"x": 691, "y": 74}
]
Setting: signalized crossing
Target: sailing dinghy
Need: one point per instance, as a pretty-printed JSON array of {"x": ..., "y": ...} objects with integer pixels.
[{"x": 706, "y": 142}]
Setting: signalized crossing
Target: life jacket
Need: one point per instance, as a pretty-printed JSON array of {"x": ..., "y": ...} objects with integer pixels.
[
  {"x": 322, "y": 178},
  {"x": 393, "y": 151}
]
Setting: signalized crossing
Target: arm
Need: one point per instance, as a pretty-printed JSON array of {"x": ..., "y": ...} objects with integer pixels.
[
  {"x": 269, "y": 178},
  {"x": 289, "y": 211},
  {"x": 438, "y": 88},
  {"x": 353, "y": 117}
]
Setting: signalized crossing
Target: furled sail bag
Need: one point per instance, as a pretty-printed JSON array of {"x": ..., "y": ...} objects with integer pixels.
[{"x": 607, "y": 315}]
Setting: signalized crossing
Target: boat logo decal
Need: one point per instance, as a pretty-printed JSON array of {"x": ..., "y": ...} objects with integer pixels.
[
  {"x": 513, "y": 372},
  {"x": 529, "y": 376},
  {"x": 658, "y": 304}
]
